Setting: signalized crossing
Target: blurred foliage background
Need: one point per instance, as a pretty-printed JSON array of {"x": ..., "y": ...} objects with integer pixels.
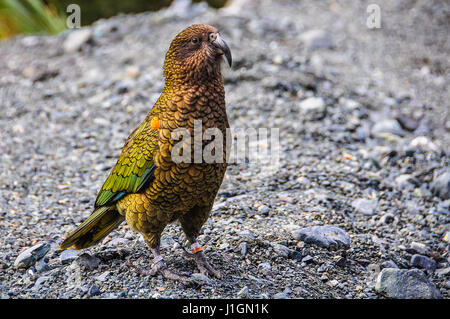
[{"x": 49, "y": 16}]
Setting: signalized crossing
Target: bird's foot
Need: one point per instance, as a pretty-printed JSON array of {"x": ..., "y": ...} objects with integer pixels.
[
  {"x": 159, "y": 266},
  {"x": 204, "y": 267},
  {"x": 200, "y": 259},
  {"x": 202, "y": 263}
]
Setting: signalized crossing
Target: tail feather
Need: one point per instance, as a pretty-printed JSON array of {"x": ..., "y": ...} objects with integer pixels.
[{"x": 101, "y": 222}]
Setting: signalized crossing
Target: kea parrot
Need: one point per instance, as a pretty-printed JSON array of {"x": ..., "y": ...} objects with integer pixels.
[{"x": 149, "y": 189}]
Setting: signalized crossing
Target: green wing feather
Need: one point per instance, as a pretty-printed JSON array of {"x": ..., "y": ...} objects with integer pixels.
[{"x": 134, "y": 168}]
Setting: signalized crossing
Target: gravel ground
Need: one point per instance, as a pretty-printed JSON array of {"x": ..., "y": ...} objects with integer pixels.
[{"x": 359, "y": 207}]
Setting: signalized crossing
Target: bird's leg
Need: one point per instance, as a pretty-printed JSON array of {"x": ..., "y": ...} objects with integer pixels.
[
  {"x": 191, "y": 224},
  {"x": 200, "y": 259}
]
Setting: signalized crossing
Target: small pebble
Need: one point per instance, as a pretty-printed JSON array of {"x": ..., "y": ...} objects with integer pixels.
[
  {"x": 244, "y": 293},
  {"x": 94, "y": 291},
  {"x": 67, "y": 256},
  {"x": 423, "y": 262}
]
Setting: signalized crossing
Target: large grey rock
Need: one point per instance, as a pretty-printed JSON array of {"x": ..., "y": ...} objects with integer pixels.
[
  {"x": 440, "y": 186},
  {"x": 29, "y": 257},
  {"x": 327, "y": 236},
  {"x": 263, "y": 210},
  {"x": 405, "y": 284}
]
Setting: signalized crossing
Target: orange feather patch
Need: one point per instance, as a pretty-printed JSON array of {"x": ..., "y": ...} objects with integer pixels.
[{"x": 154, "y": 124}]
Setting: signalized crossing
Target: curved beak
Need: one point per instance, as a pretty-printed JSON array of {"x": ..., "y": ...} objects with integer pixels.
[{"x": 220, "y": 44}]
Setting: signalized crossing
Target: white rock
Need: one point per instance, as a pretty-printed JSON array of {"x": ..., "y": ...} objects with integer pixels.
[
  {"x": 102, "y": 277},
  {"x": 277, "y": 59},
  {"x": 365, "y": 206},
  {"x": 263, "y": 209},
  {"x": 387, "y": 126},
  {"x": 76, "y": 39},
  {"x": 312, "y": 104},
  {"x": 351, "y": 104},
  {"x": 315, "y": 39},
  {"x": 423, "y": 143},
  {"x": 404, "y": 181}
]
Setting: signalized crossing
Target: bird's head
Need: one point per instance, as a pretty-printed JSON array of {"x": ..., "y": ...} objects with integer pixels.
[{"x": 196, "y": 54}]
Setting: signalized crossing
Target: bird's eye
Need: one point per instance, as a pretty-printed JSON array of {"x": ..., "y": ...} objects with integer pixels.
[{"x": 194, "y": 40}]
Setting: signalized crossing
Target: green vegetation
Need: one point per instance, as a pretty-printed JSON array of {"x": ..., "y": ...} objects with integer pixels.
[
  {"x": 29, "y": 16},
  {"x": 92, "y": 10},
  {"x": 49, "y": 16}
]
